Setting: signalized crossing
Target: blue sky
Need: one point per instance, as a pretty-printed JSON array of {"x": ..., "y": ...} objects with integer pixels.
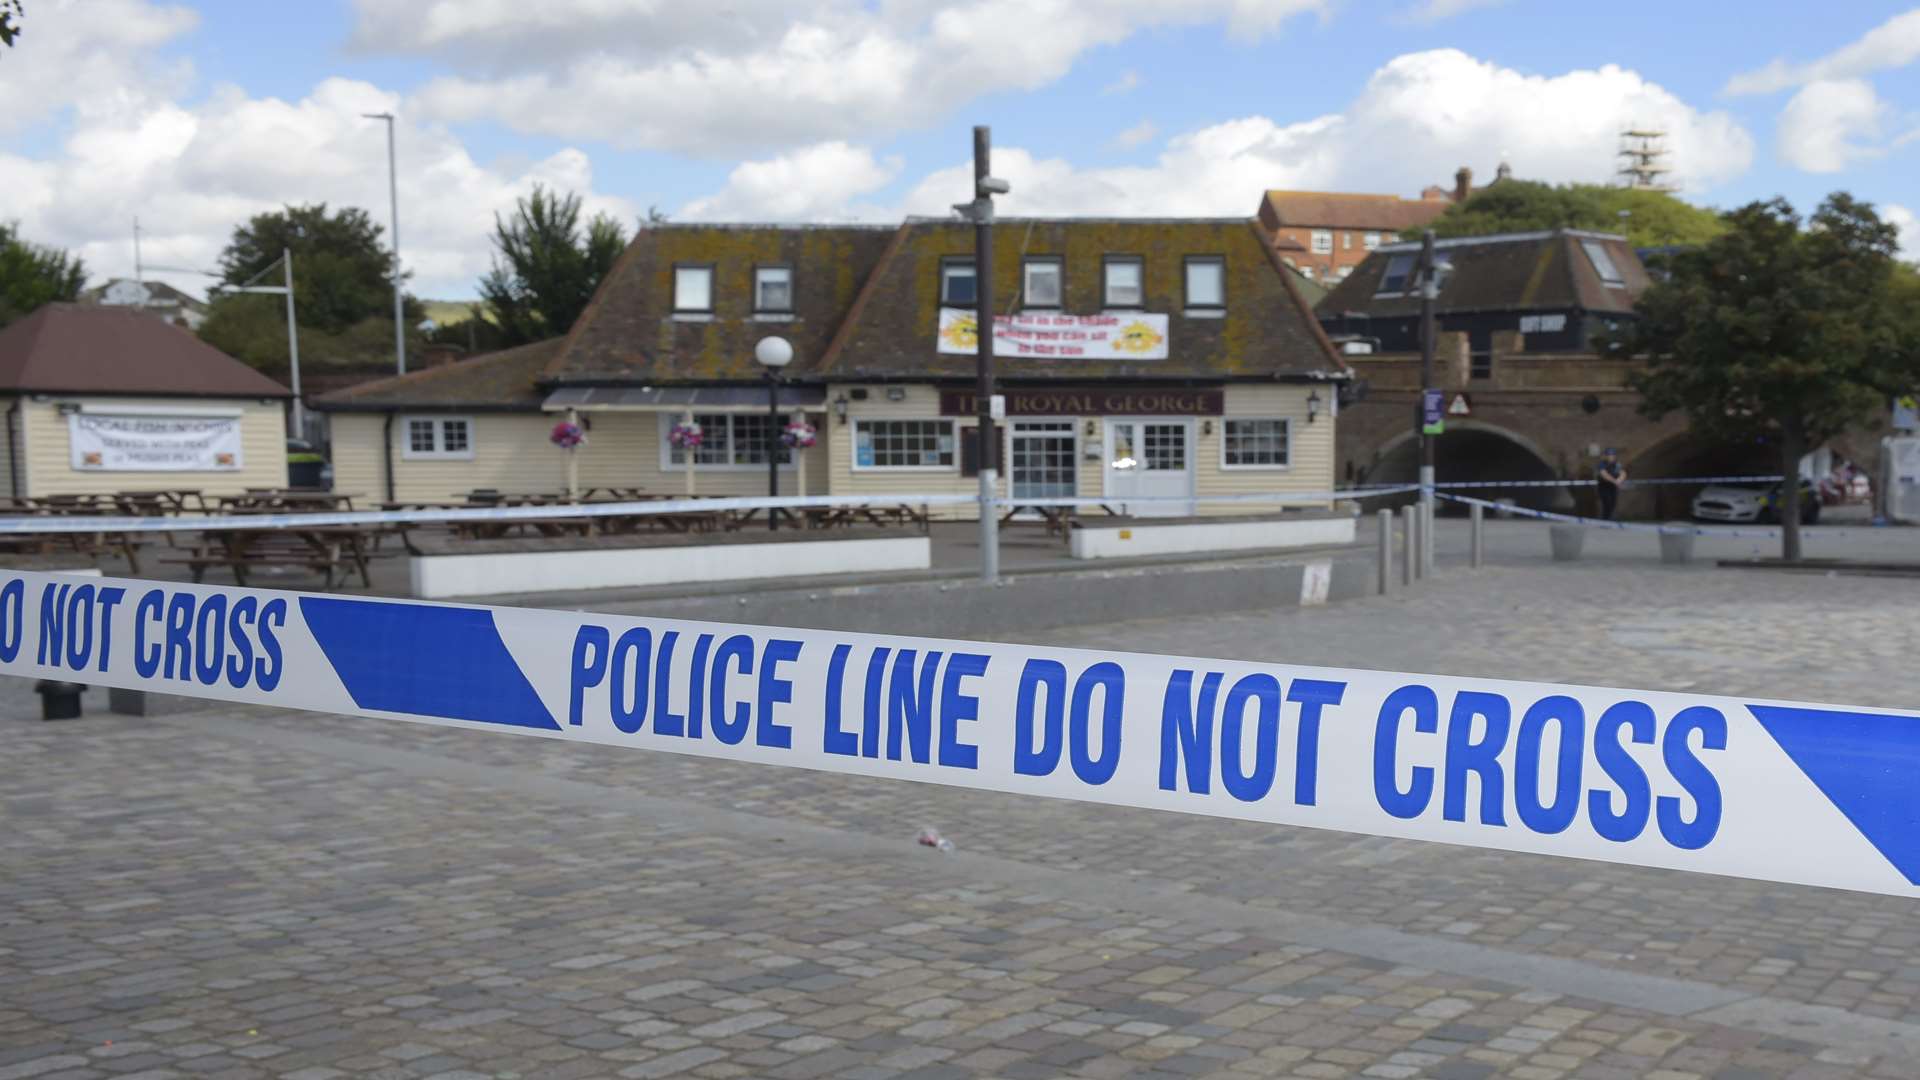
[{"x": 191, "y": 115}]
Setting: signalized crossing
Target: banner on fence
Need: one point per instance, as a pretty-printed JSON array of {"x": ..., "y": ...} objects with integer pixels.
[
  {"x": 1761, "y": 789},
  {"x": 1132, "y": 335},
  {"x": 107, "y": 442}
]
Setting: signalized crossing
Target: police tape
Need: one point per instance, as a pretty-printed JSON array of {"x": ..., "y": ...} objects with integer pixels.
[
  {"x": 1608, "y": 523},
  {"x": 1770, "y": 790},
  {"x": 89, "y": 523},
  {"x": 1587, "y": 483}
]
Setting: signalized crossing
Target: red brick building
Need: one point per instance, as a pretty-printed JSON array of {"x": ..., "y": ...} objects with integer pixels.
[{"x": 1324, "y": 234}]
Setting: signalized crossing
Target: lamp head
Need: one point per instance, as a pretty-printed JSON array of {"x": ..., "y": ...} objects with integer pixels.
[{"x": 774, "y": 352}]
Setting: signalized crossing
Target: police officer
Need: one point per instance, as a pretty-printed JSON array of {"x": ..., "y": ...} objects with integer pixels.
[{"x": 1611, "y": 477}]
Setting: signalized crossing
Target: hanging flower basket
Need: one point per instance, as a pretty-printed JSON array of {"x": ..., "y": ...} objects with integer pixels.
[
  {"x": 567, "y": 435},
  {"x": 798, "y": 435},
  {"x": 685, "y": 436}
]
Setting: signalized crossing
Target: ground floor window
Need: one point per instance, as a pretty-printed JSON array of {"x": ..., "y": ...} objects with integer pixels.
[
  {"x": 1255, "y": 444},
  {"x": 727, "y": 440},
  {"x": 903, "y": 444},
  {"x": 438, "y": 437}
]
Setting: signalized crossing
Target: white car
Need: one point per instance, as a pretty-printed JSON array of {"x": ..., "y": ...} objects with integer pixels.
[{"x": 1725, "y": 502}]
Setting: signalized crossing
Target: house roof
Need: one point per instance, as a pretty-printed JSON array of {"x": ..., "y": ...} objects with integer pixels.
[
  {"x": 629, "y": 332},
  {"x": 91, "y": 349},
  {"x": 1266, "y": 330},
  {"x": 1340, "y": 210},
  {"x": 1517, "y": 271},
  {"x": 158, "y": 294},
  {"x": 504, "y": 380}
]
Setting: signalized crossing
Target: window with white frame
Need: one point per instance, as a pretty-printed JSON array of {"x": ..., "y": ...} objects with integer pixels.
[
  {"x": 957, "y": 285},
  {"x": 693, "y": 288},
  {"x": 1346, "y": 241},
  {"x": 903, "y": 444},
  {"x": 1206, "y": 281},
  {"x": 1041, "y": 284},
  {"x": 727, "y": 440},
  {"x": 1322, "y": 242},
  {"x": 1370, "y": 241},
  {"x": 773, "y": 288},
  {"x": 1122, "y": 287},
  {"x": 1603, "y": 264},
  {"x": 443, "y": 437},
  {"x": 1254, "y": 444}
]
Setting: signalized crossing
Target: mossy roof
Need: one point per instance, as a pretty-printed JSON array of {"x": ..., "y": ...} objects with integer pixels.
[
  {"x": 504, "y": 380},
  {"x": 1540, "y": 271}
]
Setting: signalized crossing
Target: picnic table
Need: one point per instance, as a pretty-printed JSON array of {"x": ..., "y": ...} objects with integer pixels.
[
  {"x": 278, "y": 501},
  {"x": 1059, "y": 519},
  {"x": 831, "y": 517},
  {"x": 331, "y": 550}
]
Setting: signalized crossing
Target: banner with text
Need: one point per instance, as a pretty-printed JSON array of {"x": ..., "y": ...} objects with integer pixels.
[
  {"x": 1040, "y": 335},
  {"x": 137, "y": 443},
  {"x": 1777, "y": 791}
]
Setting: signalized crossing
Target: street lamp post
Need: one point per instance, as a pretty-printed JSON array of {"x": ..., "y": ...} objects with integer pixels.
[
  {"x": 393, "y": 203},
  {"x": 980, "y": 212},
  {"x": 1429, "y": 294},
  {"x": 773, "y": 353},
  {"x": 293, "y": 337}
]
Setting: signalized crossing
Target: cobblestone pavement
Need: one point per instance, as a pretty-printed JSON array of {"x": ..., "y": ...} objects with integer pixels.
[{"x": 246, "y": 894}]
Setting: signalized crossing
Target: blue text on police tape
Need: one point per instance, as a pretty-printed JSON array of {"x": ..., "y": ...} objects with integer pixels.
[{"x": 177, "y": 635}]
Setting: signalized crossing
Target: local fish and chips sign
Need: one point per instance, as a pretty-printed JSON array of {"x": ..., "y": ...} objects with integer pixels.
[
  {"x": 105, "y": 442},
  {"x": 1122, "y": 336}
]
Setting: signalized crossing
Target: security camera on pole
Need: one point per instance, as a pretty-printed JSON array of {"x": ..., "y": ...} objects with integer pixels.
[{"x": 980, "y": 212}]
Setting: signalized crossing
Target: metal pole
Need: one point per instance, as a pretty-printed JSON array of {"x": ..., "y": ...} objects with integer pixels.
[
  {"x": 1479, "y": 555},
  {"x": 393, "y": 203},
  {"x": 1386, "y": 552},
  {"x": 1409, "y": 549},
  {"x": 293, "y": 348},
  {"x": 983, "y": 295},
  {"x": 773, "y": 446},
  {"x": 1429, "y": 292},
  {"x": 1429, "y": 536}
]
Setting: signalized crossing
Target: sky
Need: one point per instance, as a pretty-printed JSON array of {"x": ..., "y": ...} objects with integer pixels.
[{"x": 191, "y": 116}]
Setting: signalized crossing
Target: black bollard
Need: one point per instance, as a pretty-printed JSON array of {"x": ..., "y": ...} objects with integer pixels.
[{"x": 58, "y": 700}]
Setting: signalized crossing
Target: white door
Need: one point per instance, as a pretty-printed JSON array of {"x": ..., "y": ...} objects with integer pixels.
[
  {"x": 1151, "y": 461},
  {"x": 1045, "y": 459}
]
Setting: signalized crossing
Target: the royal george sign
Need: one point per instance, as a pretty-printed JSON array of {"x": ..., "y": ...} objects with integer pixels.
[
  {"x": 1079, "y": 401},
  {"x": 1130, "y": 335},
  {"x": 107, "y": 442},
  {"x": 1772, "y": 790}
]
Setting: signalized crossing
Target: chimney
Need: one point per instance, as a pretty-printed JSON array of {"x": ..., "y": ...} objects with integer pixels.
[{"x": 1462, "y": 184}]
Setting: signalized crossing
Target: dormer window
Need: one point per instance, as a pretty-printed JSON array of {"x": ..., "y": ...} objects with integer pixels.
[
  {"x": 693, "y": 288},
  {"x": 1603, "y": 264},
  {"x": 1206, "y": 281},
  {"x": 1399, "y": 269},
  {"x": 773, "y": 289},
  {"x": 1122, "y": 287},
  {"x": 958, "y": 286},
  {"x": 1041, "y": 283}
]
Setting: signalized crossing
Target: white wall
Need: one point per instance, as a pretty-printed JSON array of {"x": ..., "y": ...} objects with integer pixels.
[
  {"x": 1129, "y": 541},
  {"x": 46, "y": 448},
  {"x": 436, "y": 576}
]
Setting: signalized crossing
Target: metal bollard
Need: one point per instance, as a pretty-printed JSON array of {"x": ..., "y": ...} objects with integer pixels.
[
  {"x": 1386, "y": 551},
  {"x": 1479, "y": 556},
  {"x": 1410, "y": 568}
]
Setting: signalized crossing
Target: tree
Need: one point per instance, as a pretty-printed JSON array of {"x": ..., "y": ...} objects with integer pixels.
[
  {"x": 342, "y": 270},
  {"x": 1653, "y": 218},
  {"x": 10, "y": 17},
  {"x": 32, "y": 275},
  {"x": 544, "y": 269},
  {"x": 1788, "y": 329}
]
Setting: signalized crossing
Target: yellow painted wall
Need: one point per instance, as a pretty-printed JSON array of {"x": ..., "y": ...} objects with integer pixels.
[
  {"x": 512, "y": 453},
  {"x": 47, "y": 450},
  {"x": 8, "y": 437}
]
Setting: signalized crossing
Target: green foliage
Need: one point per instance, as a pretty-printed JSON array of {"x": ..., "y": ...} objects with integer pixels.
[
  {"x": 544, "y": 269},
  {"x": 254, "y": 330},
  {"x": 1789, "y": 329},
  {"x": 473, "y": 330},
  {"x": 32, "y": 275},
  {"x": 10, "y": 16},
  {"x": 342, "y": 269},
  {"x": 1654, "y": 218}
]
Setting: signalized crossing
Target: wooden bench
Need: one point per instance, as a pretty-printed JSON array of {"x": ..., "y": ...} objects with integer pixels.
[{"x": 335, "y": 553}]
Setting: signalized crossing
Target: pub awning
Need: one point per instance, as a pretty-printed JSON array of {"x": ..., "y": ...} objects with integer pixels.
[{"x": 676, "y": 399}]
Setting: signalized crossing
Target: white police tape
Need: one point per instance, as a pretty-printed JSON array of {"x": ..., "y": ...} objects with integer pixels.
[
  {"x": 1591, "y": 483},
  {"x": 89, "y": 523},
  {"x": 1729, "y": 785},
  {"x": 1278, "y": 498},
  {"x": 1607, "y": 523}
]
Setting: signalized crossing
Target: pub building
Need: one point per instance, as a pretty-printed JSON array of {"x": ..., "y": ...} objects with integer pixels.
[{"x": 1169, "y": 358}]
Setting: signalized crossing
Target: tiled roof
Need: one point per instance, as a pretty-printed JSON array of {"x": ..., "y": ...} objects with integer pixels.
[
  {"x": 499, "y": 380},
  {"x": 1335, "y": 210},
  {"x": 1521, "y": 271},
  {"x": 629, "y": 332},
  {"x": 1267, "y": 328},
  {"x": 91, "y": 349}
]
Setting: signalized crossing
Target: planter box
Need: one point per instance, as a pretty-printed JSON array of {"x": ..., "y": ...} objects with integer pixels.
[
  {"x": 560, "y": 567},
  {"x": 1128, "y": 538}
]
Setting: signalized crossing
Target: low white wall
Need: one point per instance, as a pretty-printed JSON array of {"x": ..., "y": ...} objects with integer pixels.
[
  {"x": 1124, "y": 541},
  {"x": 438, "y": 576}
]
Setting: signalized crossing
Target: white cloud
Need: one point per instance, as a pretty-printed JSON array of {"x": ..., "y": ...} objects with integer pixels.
[
  {"x": 1909, "y": 225},
  {"x": 825, "y": 182},
  {"x": 90, "y": 55},
  {"x": 1418, "y": 119},
  {"x": 1140, "y": 133},
  {"x": 1894, "y": 43},
  {"x": 1127, "y": 83},
  {"x": 1831, "y": 124},
  {"x": 720, "y": 79},
  {"x": 193, "y": 172},
  {"x": 1432, "y": 11}
]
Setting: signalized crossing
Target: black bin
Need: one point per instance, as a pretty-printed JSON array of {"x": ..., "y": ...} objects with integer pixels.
[{"x": 58, "y": 700}]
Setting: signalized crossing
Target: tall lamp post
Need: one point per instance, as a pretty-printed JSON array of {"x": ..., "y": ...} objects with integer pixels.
[
  {"x": 393, "y": 203},
  {"x": 293, "y": 338},
  {"x": 1429, "y": 416},
  {"x": 773, "y": 353},
  {"x": 980, "y": 212}
]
